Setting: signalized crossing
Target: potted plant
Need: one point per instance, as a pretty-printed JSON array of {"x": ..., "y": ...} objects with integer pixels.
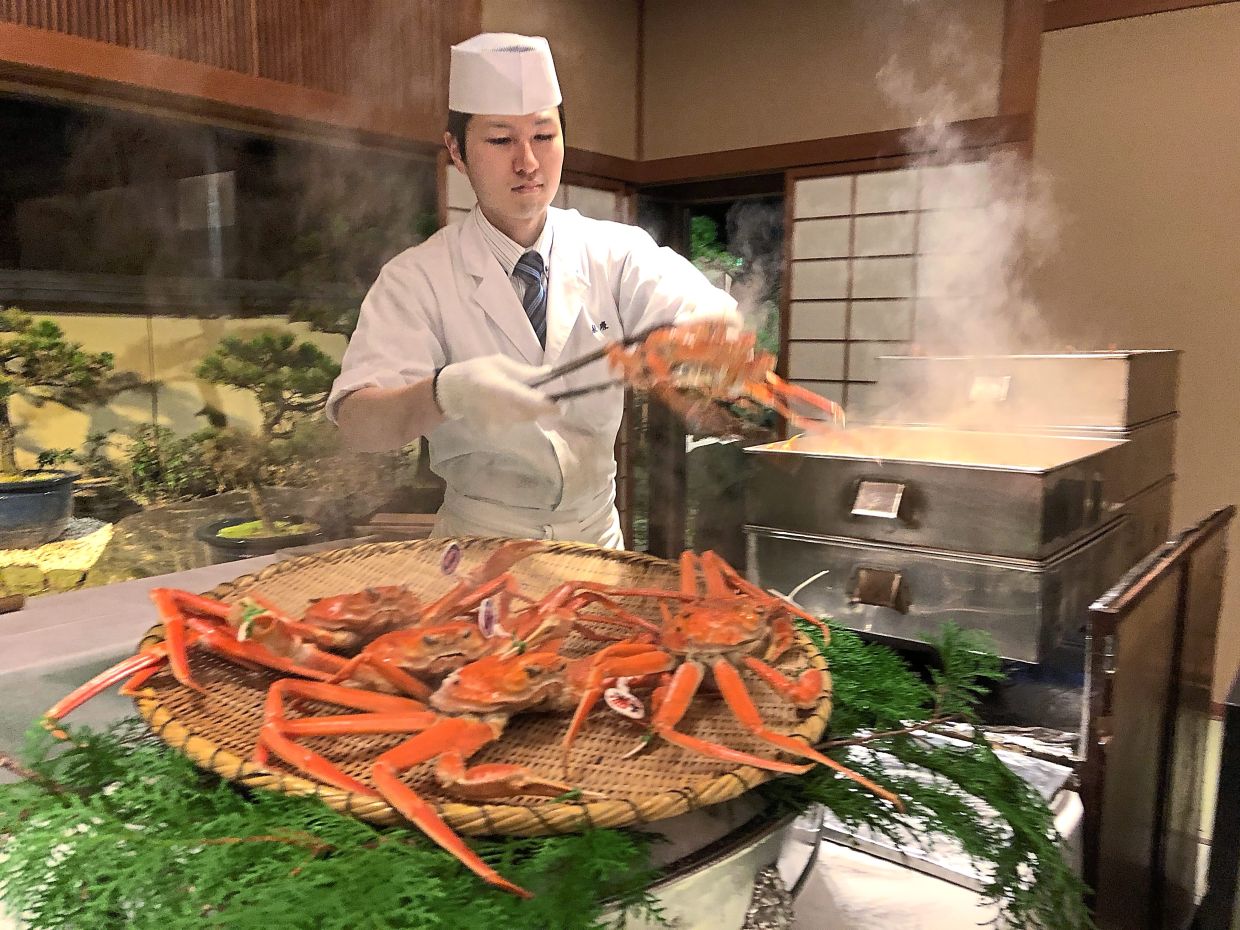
[
  {"x": 289, "y": 380},
  {"x": 38, "y": 364}
]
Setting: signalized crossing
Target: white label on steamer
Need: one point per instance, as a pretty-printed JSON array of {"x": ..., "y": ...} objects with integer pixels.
[{"x": 992, "y": 389}]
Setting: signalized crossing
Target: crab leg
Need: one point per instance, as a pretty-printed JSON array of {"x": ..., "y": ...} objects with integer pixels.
[
  {"x": 133, "y": 686},
  {"x": 680, "y": 693},
  {"x": 382, "y": 713},
  {"x": 309, "y": 662},
  {"x": 531, "y": 625},
  {"x": 611, "y": 610},
  {"x": 622, "y": 660},
  {"x": 453, "y": 740},
  {"x": 170, "y": 604},
  {"x": 741, "y": 704},
  {"x": 491, "y": 577},
  {"x": 745, "y": 587},
  {"x": 804, "y": 692},
  {"x": 781, "y": 639},
  {"x": 190, "y": 630},
  {"x": 687, "y": 592},
  {"x": 492, "y": 780},
  {"x": 384, "y": 661},
  {"x": 137, "y": 668},
  {"x": 779, "y": 392},
  {"x": 129, "y": 668}
]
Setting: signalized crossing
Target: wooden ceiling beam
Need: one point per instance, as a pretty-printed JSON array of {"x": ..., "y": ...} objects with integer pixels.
[{"x": 1068, "y": 14}]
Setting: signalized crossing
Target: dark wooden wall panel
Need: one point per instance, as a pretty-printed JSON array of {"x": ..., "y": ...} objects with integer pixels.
[
  {"x": 211, "y": 32},
  {"x": 383, "y": 54}
]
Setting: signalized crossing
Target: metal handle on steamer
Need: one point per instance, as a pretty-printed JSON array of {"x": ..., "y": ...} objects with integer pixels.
[
  {"x": 879, "y": 498},
  {"x": 879, "y": 587}
]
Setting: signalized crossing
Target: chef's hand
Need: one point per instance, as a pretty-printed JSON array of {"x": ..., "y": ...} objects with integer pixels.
[
  {"x": 729, "y": 316},
  {"x": 491, "y": 391}
]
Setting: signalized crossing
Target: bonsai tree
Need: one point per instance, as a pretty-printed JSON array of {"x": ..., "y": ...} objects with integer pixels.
[
  {"x": 38, "y": 364},
  {"x": 157, "y": 465},
  {"x": 240, "y": 460},
  {"x": 290, "y": 380}
]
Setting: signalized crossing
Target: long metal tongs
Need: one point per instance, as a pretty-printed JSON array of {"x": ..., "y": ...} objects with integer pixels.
[{"x": 589, "y": 358}]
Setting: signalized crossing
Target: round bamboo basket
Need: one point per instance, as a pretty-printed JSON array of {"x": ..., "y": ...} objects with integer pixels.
[{"x": 218, "y": 729}]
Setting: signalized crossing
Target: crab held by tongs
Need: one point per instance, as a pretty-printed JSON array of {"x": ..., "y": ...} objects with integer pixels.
[{"x": 701, "y": 370}]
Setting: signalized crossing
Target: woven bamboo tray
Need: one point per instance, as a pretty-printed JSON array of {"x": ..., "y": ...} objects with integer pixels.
[{"x": 218, "y": 729}]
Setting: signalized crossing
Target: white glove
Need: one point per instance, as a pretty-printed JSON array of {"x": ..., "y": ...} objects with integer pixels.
[
  {"x": 728, "y": 315},
  {"x": 492, "y": 391}
]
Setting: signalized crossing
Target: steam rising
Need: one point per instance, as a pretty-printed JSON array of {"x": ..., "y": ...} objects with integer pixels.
[
  {"x": 985, "y": 218},
  {"x": 985, "y": 222}
]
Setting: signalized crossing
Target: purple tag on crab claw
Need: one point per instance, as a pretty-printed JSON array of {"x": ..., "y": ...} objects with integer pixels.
[
  {"x": 488, "y": 618},
  {"x": 451, "y": 558},
  {"x": 624, "y": 703}
]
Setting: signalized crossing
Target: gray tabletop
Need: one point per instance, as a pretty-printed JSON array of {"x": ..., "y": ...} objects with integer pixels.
[{"x": 58, "y": 641}]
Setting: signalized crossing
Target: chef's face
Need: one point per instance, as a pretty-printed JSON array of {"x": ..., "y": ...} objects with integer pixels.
[{"x": 514, "y": 165}]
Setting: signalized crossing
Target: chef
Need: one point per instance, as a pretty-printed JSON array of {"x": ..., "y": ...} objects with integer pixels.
[{"x": 454, "y": 331}]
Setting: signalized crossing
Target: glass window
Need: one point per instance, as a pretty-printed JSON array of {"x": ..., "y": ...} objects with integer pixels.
[{"x": 175, "y": 300}]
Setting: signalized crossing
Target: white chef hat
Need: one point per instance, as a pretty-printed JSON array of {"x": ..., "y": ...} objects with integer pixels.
[{"x": 502, "y": 73}]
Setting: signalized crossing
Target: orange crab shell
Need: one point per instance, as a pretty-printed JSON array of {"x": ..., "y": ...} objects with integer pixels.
[
  {"x": 379, "y": 605},
  {"x": 496, "y": 682},
  {"x": 725, "y": 625}
]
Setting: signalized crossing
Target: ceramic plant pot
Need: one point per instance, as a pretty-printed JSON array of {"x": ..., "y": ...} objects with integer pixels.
[{"x": 35, "y": 510}]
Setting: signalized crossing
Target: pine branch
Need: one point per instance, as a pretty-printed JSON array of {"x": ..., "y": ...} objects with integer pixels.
[
  {"x": 27, "y": 774},
  {"x": 887, "y": 734},
  {"x": 942, "y": 787},
  {"x": 155, "y": 843}
]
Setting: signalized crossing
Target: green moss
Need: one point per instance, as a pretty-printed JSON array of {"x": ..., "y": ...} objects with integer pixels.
[
  {"x": 12, "y": 477},
  {"x": 255, "y": 529}
]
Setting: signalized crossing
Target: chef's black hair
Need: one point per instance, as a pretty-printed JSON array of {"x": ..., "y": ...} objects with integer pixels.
[{"x": 458, "y": 122}]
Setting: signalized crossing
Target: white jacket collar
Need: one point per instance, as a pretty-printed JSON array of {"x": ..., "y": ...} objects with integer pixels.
[
  {"x": 493, "y": 291},
  {"x": 506, "y": 250}
]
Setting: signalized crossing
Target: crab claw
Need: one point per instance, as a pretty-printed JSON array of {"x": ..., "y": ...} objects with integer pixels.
[
  {"x": 449, "y": 741},
  {"x": 779, "y": 395}
]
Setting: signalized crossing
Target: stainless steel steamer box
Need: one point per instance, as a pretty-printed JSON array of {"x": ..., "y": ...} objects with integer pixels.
[
  {"x": 908, "y": 593},
  {"x": 1096, "y": 390},
  {"x": 1003, "y": 493},
  {"x": 1023, "y": 496}
]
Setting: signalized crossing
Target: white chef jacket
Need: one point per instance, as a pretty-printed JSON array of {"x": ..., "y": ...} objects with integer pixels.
[{"x": 449, "y": 299}]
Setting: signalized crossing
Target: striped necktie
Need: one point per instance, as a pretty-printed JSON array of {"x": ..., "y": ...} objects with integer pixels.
[{"x": 530, "y": 270}]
